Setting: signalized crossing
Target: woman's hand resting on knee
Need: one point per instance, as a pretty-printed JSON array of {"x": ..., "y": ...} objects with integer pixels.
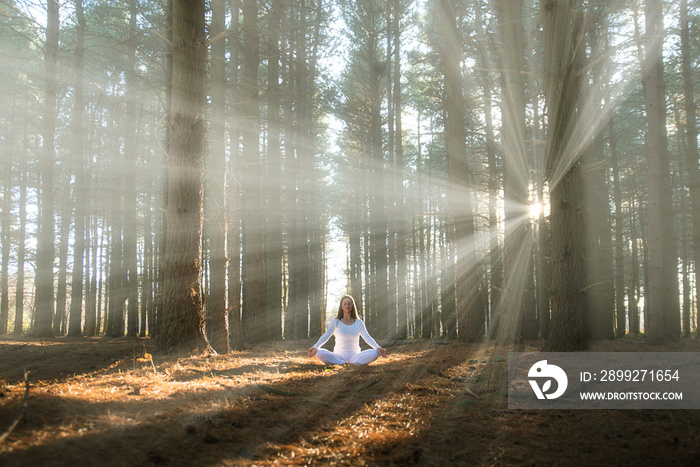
[
  {"x": 312, "y": 351},
  {"x": 381, "y": 351}
]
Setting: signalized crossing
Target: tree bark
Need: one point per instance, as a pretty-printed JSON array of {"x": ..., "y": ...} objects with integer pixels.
[
  {"x": 403, "y": 228},
  {"x": 216, "y": 217},
  {"x": 691, "y": 133},
  {"x": 46, "y": 252},
  {"x": 620, "y": 308},
  {"x": 129, "y": 187},
  {"x": 274, "y": 250},
  {"x": 252, "y": 269},
  {"x": 181, "y": 323},
  {"x": 664, "y": 316},
  {"x": 568, "y": 327},
  {"x": 234, "y": 196},
  {"x": 598, "y": 237},
  {"x": 76, "y": 302},
  {"x": 517, "y": 245}
]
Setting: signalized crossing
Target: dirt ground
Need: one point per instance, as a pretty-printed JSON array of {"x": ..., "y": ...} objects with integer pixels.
[{"x": 104, "y": 402}]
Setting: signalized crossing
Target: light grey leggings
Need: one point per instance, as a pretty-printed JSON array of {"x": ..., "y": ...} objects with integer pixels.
[{"x": 333, "y": 358}]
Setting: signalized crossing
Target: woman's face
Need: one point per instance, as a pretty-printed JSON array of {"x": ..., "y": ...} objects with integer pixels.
[{"x": 347, "y": 306}]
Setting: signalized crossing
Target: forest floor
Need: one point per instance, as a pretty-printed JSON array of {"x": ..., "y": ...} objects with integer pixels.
[{"x": 103, "y": 402}]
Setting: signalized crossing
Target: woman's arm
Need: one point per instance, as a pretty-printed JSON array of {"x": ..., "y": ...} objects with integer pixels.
[
  {"x": 327, "y": 335},
  {"x": 365, "y": 335},
  {"x": 371, "y": 342}
]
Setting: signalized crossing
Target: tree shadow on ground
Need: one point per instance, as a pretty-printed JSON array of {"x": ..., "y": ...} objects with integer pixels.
[
  {"x": 473, "y": 426},
  {"x": 57, "y": 359},
  {"x": 234, "y": 424}
]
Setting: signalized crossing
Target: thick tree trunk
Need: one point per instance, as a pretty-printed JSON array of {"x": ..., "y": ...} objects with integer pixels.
[
  {"x": 460, "y": 224},
  {"x": 664, "y": 318},
  {"x": 691, "y": 136},
  {"x": 252, "y": 270},
  {"x": 568, "y": 327},
  {"x": 181, "y": 323},
  {"x": 598, "y": 237},
  {"x": 517, "y": 247}
]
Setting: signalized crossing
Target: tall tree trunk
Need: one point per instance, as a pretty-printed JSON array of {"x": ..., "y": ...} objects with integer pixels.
[
  {"x": 691, "y": 134},
  {"x": 422, "y": 247},
  {"x": 129, "y": 187},
  {"x": 252, "y": 270},
  {"x": 431, "y": 288},
  {"x": 146, "y": 325},
  {"x": 460, "y": 210},
  {"x": 568, "y": 328},
  {"x": 181, "y": 323},
  {"x": 620, "y": 309},
  {"x": 664, "y": 306},
  {"x": 633, "y": 292},
  {"x": 390, "y": 187},
  {"x": 316, "y": 227},
  {"x": 234, "y": 196},
  {"x": 601, "y": 292},
  {"x": 76, "y": 302},
  {"x": 403, "y": 228},
  {"x": 46, "y": 252},
  {"x": 377, "y": 205},
  {"x": 517, "y": 246},
  {"x": 274, "y": 250},
  {"x": 494, "y": 256},
  {"x": 217, "y": 305},
  {"x": 542, "y": 254}
]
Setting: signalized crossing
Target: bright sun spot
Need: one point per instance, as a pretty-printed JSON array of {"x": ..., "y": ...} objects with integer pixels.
[{"x": 535, "y": 210}]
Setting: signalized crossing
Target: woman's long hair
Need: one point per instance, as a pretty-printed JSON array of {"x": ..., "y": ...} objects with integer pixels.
[{"x": 354, "y": 313}]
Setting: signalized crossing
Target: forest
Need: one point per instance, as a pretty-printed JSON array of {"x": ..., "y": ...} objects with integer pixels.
[
  {"x": 188, "y": 188},
  {"x": 506, "y": 170}
]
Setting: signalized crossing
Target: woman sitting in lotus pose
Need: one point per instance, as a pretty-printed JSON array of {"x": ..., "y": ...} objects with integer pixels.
[{"x": 347, "y": 328}]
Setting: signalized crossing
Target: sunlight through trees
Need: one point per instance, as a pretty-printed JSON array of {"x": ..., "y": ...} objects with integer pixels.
[{"x": 500, "y": 170}]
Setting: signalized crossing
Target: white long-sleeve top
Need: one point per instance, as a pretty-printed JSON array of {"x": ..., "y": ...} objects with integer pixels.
[{"x": 347, "y": 338}]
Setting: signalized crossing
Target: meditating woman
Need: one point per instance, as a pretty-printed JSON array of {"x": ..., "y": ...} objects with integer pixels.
[{"x": 347, "y": 328}]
